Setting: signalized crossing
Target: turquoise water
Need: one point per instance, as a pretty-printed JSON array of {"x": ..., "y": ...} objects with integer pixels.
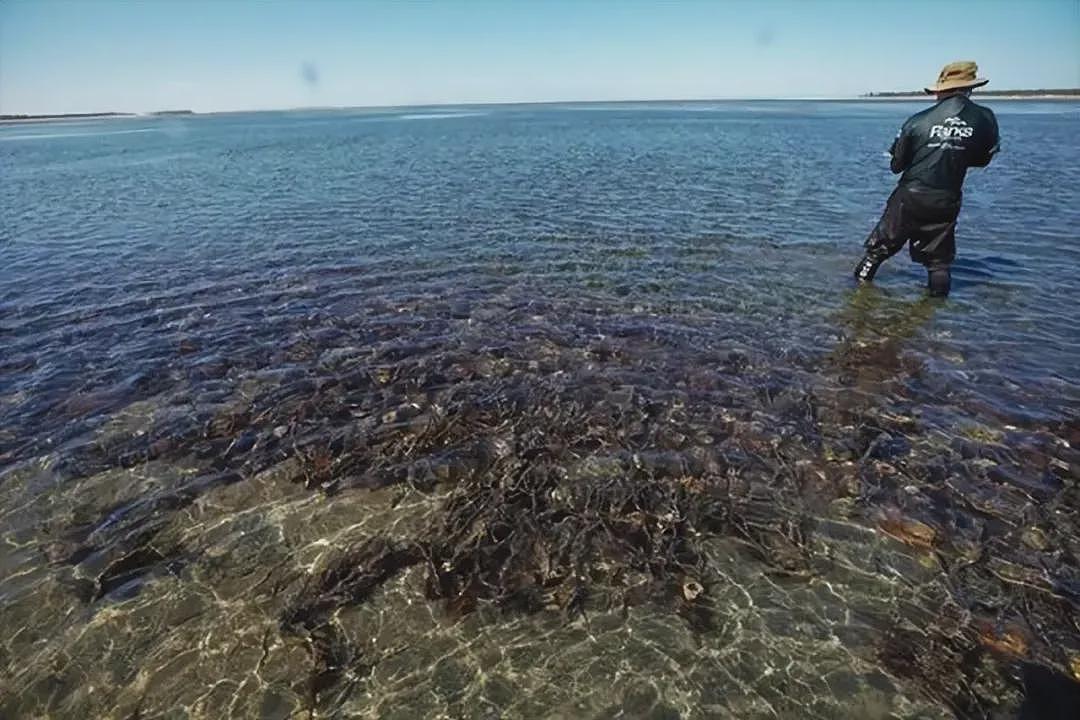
[{"x": 530, "y": 411}]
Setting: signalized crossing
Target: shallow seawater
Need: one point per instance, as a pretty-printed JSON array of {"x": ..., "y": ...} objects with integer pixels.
[{"x": 538, "y": 411}]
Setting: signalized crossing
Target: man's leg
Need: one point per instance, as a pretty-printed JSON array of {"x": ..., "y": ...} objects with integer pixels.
[
  {"x": 938, "y": 279},
  {"x": 871, "y": 261},
  {"x": 886, "y": 239},
  {"x": 933, "y": 243}
]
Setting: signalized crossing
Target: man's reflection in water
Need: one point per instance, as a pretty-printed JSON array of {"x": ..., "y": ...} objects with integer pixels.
[
  {"x": 878, "y": 330},
  {"x": 866, "y": 397}
]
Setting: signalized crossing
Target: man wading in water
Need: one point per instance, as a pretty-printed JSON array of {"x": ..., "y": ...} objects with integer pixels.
[{"x": 933, "y": 150}]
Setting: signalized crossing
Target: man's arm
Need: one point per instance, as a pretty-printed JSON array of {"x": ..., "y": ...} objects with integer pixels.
[
  {"x": 902, "y": 149},
  {"x": 992, "y": 145}
]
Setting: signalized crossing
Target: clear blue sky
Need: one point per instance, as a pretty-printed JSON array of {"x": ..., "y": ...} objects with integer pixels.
[{"x": 89, "y": 55}]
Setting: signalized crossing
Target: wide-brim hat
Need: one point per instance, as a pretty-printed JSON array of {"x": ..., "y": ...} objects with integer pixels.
[{"x": 958, "y": 75}]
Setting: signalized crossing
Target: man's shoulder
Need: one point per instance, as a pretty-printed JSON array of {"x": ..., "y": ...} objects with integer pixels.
[
  {"x": 984, "y": 114},
  {"x": 920, "y": 116},
  {"x": 981, "y": 108}
]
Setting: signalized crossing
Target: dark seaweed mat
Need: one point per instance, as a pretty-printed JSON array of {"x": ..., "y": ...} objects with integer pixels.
[{"x": 608, "y": 446}]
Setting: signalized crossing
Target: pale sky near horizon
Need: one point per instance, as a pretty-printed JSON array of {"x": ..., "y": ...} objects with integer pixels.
[{"x": 207, "y": 55}]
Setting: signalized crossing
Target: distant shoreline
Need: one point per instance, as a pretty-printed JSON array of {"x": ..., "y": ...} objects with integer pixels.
[
  {"x": 61, "y": 117},
  {"x": 977, "y": 96},
  {"x": 1036, "y": 94}
]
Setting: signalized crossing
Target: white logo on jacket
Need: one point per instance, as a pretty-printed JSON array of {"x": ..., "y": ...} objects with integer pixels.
[{"x": 952, "y": 127}]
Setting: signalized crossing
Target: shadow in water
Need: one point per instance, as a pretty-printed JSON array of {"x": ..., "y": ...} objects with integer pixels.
[
  {"x": 1049, "y": 695},
  {"x": 877, "y": 330}
]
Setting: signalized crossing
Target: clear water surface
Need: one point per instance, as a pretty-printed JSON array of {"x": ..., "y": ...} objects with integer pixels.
[{"x": 531, "y": 411}]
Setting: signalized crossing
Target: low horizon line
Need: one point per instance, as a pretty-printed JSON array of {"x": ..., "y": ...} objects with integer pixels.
[{"x": 875, "y": 95}]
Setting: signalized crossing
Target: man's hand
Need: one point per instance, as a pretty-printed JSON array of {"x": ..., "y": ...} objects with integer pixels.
[{"x": 901, "y": 151}]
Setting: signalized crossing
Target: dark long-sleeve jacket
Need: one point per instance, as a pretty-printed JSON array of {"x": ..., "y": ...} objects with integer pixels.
[{"x": 935, "y": 147}]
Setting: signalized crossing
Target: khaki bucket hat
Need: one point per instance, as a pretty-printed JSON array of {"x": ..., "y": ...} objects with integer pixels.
[{"x": 957, "y": 76}]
